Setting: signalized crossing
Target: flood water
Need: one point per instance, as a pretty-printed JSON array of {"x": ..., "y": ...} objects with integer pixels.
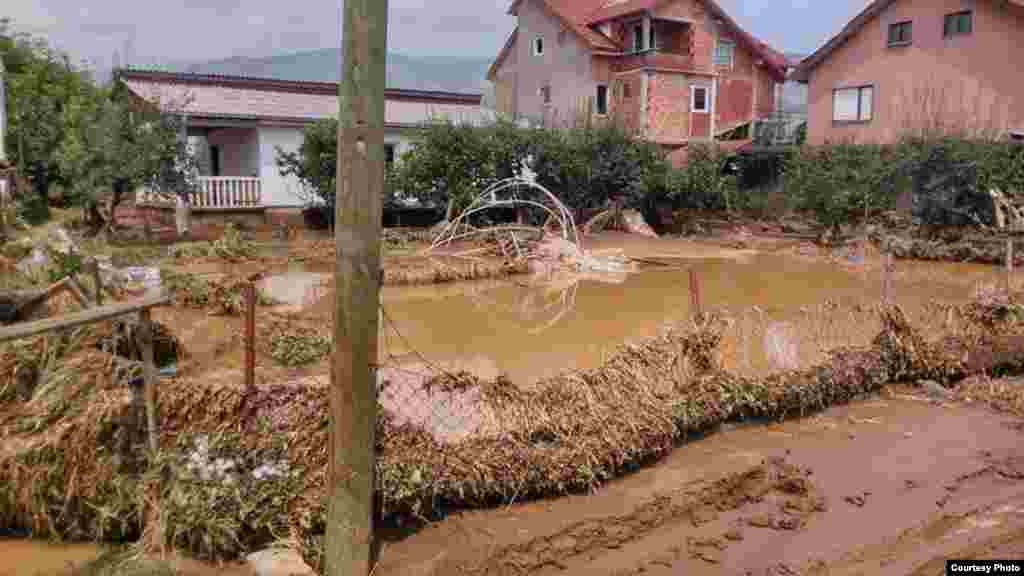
[
  {"x": 533, "y": 331},
  {"x": 35, "y": 558}
]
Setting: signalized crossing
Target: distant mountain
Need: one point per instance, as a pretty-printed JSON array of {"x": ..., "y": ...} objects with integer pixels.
[{"x": 415, "y": 73}]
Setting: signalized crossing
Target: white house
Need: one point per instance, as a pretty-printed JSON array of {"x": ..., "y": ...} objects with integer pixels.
[{"x": 235, "y": 124}]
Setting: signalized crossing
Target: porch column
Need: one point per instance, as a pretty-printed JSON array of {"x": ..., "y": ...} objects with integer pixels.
[
  {"x": 182, "y": 210},
  {"x": 647, "y": 32}
]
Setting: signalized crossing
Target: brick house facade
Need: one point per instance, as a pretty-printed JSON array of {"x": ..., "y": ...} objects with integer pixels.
[
  {"x": 913, "y": 66},
  {"x": 675, "y": 71}
]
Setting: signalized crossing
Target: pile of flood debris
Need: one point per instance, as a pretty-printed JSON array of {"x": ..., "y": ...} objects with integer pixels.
[{"x": 238, "y": 471}]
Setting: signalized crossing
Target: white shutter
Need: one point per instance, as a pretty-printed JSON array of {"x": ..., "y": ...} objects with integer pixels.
[
  {"x": 866, "y": 98},
  {"x": 844, "y": 105}
]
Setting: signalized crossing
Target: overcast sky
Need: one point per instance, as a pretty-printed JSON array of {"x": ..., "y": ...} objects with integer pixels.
[{"x": 191, "y": 30}]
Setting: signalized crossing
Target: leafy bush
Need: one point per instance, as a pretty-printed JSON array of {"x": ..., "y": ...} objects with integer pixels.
[
  {"x": 842, "y": 183},
  {"x": 702, "y": 184},
  {"x": 315, "y": 164},
  {"x": 586, "y": 167},
  {"x": 948, "y": 178}
]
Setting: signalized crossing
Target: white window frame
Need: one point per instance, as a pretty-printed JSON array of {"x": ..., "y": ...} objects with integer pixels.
[
  {"x": 861, "y": 116},
  {"x": 732, "y": 52},
  {"x": 707, "y": 99},
  {"x": 538, "y": 42}
]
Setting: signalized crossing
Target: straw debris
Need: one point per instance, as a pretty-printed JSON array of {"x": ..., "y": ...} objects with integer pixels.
[
  {"x": 232, "y": 246},
  {"x": 222, "y": 295},
  {"x": 239, "y": 470}
]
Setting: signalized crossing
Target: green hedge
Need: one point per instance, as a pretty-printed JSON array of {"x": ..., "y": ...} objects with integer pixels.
[{"x": 841, "y": 183}]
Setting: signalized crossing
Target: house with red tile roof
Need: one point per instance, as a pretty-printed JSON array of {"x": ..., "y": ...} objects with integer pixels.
[
  {"x": 235, "y": 125},
  {"x": 918, "y": 66},
  {"x": 675, "y": 71}
]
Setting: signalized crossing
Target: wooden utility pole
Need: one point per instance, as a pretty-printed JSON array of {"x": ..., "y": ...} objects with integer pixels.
[{"x": 358, "y": 213}]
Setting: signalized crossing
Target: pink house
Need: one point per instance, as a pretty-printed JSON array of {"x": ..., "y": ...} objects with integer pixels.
[
  {"x": 916, "y": 66},
  {"x": 674, "y": 70}
]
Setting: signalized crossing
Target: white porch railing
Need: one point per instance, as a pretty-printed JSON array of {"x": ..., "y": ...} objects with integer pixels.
[{"x": 215, "y": 193}]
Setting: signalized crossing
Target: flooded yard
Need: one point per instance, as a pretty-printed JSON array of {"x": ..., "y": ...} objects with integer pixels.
[
  {"x": 786, "y": 311},
  {"x": 530, "y": 331}
]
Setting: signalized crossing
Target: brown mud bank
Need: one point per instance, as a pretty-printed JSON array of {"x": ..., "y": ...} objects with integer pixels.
[
  {"x": 890, "y": 486},
  {"x": 245, "y": 466},
  {"x": 891, "y": 232}
]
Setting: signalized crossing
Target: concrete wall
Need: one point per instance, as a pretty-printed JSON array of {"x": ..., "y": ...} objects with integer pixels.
[
  {"x": 287, "y": 191},
  {"x": 566, "y": 67},
  {"x": 967, "y": 82}
]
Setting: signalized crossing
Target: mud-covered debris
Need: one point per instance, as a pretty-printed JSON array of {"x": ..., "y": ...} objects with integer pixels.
[
  {"x": 734, "y": 534},
  {"x": 858, "y": 500}
]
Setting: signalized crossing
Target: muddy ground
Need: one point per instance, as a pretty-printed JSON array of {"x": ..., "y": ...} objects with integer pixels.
[{"x": 892, "y": 485}]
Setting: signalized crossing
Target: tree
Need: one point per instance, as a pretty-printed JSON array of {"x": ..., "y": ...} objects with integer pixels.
[
  {"x": 112, "y": 148},
  {"x": 315, "y": 163},
  {"x": 449, "y": 163},
  {"x": 40, "y": 83}
]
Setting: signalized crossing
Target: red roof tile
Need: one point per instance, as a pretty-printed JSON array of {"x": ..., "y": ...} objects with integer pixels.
[{"x": 580, "y": 15}]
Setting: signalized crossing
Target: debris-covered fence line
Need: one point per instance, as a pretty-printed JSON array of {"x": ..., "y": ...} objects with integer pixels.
[{"x": 247, "y": 464}]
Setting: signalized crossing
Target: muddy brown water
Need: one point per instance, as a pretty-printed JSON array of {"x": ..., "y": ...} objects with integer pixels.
[
  {"x": 533, "y": 332},
  {"x": 34, "y": 558}
]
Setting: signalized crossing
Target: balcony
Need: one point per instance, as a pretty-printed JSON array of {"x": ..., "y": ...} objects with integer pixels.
[
  {"x": 655, "y": 59},
  {"x": 215, "y": 193}
]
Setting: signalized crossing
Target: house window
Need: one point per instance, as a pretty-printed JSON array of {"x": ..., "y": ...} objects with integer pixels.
[
  {"x": 538, "y": 46},
  {"x": 638, "y": 38},
  {"x": 699, "y": 99},
  {"x": 389, "y": 156},
  {"x": 602, "y": 99},
  {"x": 852, "y": 104},
  {"x": 900, "y": 33},
  {"x": 545, "y": 92},
  {"x": 957, "y": 24},
  {"x": 724, "y": 51}
]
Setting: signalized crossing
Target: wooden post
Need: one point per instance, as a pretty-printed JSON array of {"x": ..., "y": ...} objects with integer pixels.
[
  {"x": 1009, "y": 265},
  {"x": 887, "y": 278},
  {"x": 694, "y": 293},
  {"x": 149, "y": 372},
  {"x": 358, "y": 212},
  {"x": 98, "y": 281},
  {"x": 250, "y": 337}
]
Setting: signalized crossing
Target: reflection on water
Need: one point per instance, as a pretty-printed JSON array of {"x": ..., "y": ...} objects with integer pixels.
[{"x": 531, "y": 330}]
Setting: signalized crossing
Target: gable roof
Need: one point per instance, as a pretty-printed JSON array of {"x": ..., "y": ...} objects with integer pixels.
[
  {"x": 874, "y": 8},
  {"x": 492, "y": 72},
  {"x": 573, "y": 14},
  {"x": 286, "y": 102},
  {"x": 580, "y": 15}
]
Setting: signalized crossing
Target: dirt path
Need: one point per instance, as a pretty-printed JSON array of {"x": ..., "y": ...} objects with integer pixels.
[{"x": 890, "y": 486}]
